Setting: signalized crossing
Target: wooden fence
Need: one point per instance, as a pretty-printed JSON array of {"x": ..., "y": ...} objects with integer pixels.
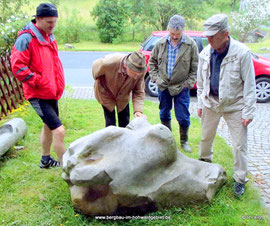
[{"x": 11, "y": 93}]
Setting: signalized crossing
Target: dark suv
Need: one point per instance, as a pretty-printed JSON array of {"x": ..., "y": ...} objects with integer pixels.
[{"x": 261, "y": 64}]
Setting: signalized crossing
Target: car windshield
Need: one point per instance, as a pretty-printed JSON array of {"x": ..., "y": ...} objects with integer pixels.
[{"x": 149, "y": 44}]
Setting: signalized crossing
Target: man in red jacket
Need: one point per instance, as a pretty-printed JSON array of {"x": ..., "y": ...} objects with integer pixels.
[{"x": 35, "y": 62}]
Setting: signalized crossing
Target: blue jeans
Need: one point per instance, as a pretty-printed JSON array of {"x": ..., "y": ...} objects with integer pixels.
[{"x": 181, "y": 105}]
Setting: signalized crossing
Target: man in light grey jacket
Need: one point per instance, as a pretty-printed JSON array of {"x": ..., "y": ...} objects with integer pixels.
[
  {"x": 226, "y": 88},
  {"x": 173, "y": 65}
]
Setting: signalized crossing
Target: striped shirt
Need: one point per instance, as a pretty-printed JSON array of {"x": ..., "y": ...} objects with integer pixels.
[{"x": 172, "y": 54}]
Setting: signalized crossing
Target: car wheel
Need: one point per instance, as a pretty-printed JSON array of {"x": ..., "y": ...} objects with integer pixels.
[
  {"x": 263, "y": 89},
  {"x": 151, "y": 87}
]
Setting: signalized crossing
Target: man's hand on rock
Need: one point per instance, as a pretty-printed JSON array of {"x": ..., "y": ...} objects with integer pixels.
[{"x": 139, "y": 114}]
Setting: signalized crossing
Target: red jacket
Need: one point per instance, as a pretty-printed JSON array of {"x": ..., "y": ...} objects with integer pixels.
[{"x": 35, "y": 62}]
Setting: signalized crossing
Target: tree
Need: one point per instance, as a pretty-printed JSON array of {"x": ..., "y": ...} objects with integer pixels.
[
  {"x": 233, "y": 4},
  {"x": 158, "y": 13},
  {"x": 110, "y": 16},
  {"x": 253, "y": 14},
  {"x": 223, "y": 5},
  {"x": 11, "y": 20},
  {"x": 55, "y": 2},
  {"x": 9, "y": 8},
  {"x": 135, "y": 9},
  {"x": 8, "y": 31}
]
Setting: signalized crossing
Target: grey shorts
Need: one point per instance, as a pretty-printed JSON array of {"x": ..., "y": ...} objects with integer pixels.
[{"x": 47, "y": 111}]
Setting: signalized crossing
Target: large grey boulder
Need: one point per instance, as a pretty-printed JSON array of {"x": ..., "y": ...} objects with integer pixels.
[
  {"x": 135, "y": 166},
  {"x": 10, "y": 133}
]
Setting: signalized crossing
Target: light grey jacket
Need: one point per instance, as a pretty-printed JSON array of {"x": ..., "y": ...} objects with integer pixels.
[
  {"x": 185, "y": 68},
  {"x": 237, "y": 90}
]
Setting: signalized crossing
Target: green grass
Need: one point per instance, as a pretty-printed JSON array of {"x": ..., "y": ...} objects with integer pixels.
[
  {"x": 256, "y": 47},
  {"x": 98, "y": 46},
  {"x": 84, "y": 6},
  {"x": 31, "y": 196}
]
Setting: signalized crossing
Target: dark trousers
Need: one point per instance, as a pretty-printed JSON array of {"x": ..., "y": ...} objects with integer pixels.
[
  {"x": 123, "y": 117},
  {"x": 181, "y": 105}
]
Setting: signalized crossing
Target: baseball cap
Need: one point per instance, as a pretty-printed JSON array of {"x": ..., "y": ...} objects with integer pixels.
[
  {"x": 215, "y": 23},
  {"x": 46, "y": 10},
  {"x": 136, "y": 61}
]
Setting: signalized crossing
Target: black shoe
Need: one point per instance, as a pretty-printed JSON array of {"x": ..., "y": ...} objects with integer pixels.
[
  {"x": 205, "y": 160},
  {"x": 238, "y": 189},
  {"x": 48, "y": 164}
]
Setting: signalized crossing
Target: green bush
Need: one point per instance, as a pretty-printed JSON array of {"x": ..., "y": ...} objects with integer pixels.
[
  {"x": 110, "y": 18},
  {"x": 8, "y": 7},
  {"x": 69, "y": 29},
  {"x": 89, "y": 33},
  {"x": 9, "y": 30}
]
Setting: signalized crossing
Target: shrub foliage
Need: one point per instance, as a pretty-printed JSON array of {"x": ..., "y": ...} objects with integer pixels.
[{"x": 110, "y": 18}]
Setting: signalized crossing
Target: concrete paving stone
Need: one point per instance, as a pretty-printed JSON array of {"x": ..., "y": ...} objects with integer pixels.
[
  {"x": 268, "y": 207},
  {"x": 256, "y": 160},
  {"x": 254, "y": 163},
  {"x": 257, "y": 186},
  {"x": 265, "y": 147},
  {"x": 253, "y": 160},
  {"x": 265, "y": 158},
  {"x": 267, "y": 180},
  {"x": 263, "y": 186},
  {"x": 256, "y": 147},
  {"x": 264, "y": 164},
  {"x": 260, "y": 155},
  {"x": 250, "y": 168},
  {"x": 266, "y": 172},
  {"x": 253, "y": 172},
  {"x": 251, "y": 155},
  {"x": 259, "y": 175},
  {"x": 266, "y": 200}
]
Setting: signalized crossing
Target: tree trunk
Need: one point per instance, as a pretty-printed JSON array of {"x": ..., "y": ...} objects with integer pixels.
[{"x": 233, "y": 5}]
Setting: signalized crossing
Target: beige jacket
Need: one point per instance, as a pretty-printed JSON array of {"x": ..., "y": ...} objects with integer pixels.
[
  {"x": 113, "y": 88},
  {"x": 236, "y": 82},
  {"x": 185, "y": 67}
]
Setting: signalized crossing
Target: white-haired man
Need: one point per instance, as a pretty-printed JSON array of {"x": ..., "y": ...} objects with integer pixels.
[{"x": 173, "y": 65}]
